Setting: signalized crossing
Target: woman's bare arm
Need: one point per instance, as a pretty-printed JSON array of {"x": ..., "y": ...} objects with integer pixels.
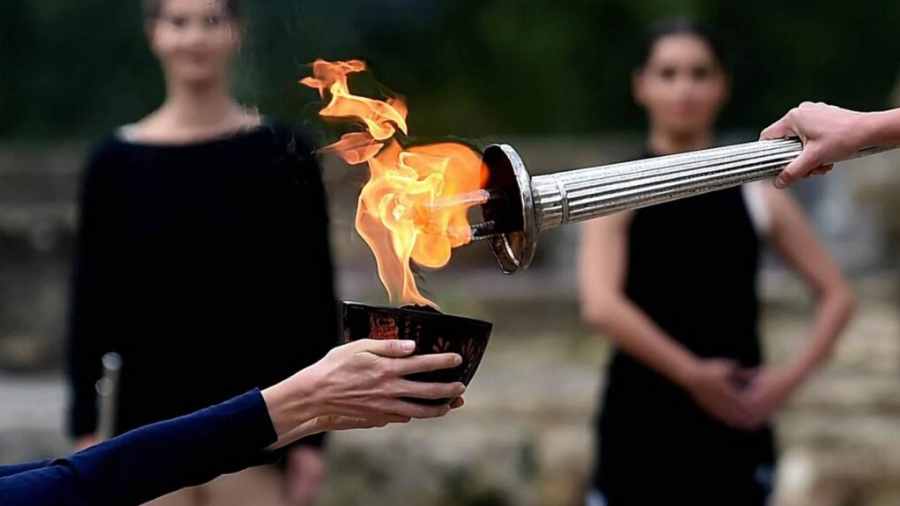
[{"x": 794, "y": 238}]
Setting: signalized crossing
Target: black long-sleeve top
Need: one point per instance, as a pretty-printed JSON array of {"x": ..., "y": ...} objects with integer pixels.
[
  {"x": 149, "y": 462},
  {"x": 206, "y": 266}
]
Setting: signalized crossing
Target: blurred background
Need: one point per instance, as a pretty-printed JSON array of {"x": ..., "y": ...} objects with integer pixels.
[{"x": 550, "y": 78}]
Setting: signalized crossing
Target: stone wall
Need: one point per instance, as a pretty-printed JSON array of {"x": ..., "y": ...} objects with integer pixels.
[{"x": 37, "y": 216}]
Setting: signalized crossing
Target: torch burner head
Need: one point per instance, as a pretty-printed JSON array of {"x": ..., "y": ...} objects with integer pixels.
[{"x": 512, "y": 214}]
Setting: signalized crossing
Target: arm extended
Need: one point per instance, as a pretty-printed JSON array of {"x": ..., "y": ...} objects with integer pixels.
[{"x": 358, "y": 385}]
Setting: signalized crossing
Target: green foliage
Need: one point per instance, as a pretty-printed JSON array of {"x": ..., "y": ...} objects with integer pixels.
[{"x": 468, "y": 67}]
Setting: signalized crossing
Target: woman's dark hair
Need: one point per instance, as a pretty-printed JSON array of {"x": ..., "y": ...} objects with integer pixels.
[
  {"x": 681, "y": 26},
  {"x": 152, "y": 8}
]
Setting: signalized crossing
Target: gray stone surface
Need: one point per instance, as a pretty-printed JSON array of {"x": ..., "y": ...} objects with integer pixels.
[{"x": 31, "y": 418}]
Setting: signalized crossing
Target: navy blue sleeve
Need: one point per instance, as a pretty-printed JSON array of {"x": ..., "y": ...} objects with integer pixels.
[
  {"x": 152, "y": 461},
  {"x": 50, "y": 485},
  {"x": 20, "y": 468}
]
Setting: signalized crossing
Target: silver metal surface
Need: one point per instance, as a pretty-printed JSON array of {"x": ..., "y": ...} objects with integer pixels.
[
  {"x": 514, "y": 250},
  {"x": 108, "y": 396},
  {"x": 572, "y": 196}
]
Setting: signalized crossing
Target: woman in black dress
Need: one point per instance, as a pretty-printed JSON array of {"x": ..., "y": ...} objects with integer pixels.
[
  {"x": 203, "y": 248},
  {"x": 688, "y": 404}
]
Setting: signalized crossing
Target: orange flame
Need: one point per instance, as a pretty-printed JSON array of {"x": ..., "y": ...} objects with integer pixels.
[{"x": 399, "y": 213}]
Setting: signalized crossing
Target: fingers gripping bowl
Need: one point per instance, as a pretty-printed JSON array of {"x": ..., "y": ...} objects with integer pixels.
[{"x": 433, "y": 332}]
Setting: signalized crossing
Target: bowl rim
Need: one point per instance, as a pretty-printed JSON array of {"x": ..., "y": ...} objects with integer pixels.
[{"x": 423, "y": 314}]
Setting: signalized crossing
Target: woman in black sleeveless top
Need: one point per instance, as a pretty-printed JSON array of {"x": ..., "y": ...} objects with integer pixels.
[{"x": 688, "y": 403}]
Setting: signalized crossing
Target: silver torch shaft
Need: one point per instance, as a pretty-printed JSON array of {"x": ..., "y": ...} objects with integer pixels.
[
  {"x": 108, "y": 396},
  {"x": 536, "y": 204}
]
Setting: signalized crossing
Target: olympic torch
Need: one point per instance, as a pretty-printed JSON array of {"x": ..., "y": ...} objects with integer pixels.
[{"x": 518, "y": 207}]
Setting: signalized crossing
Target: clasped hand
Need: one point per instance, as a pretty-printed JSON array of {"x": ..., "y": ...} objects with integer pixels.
[{"x": 742, "y": 398}]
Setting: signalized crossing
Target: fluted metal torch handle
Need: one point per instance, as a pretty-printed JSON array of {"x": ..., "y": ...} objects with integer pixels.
[
  {"x": 532, "y": 205},
  {"x": 582, "y": 194}
]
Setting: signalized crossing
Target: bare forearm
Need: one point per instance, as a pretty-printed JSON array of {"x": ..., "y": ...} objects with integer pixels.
[
  {"x": 883, "y": 128},
  {"x": 834, "y": 311},
  {"x": 290, "y": 405},
  {"x": 636, "y": 334}
]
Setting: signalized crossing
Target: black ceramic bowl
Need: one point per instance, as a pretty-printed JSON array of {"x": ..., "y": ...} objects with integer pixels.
[{"x": 433, "y": 332}]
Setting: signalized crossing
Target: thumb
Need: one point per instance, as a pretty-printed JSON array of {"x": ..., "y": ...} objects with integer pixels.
[
  {"x": 802, "y": 165},
  {"x": 394, "y": 348},
  {"x": 778, "y": 130}
]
